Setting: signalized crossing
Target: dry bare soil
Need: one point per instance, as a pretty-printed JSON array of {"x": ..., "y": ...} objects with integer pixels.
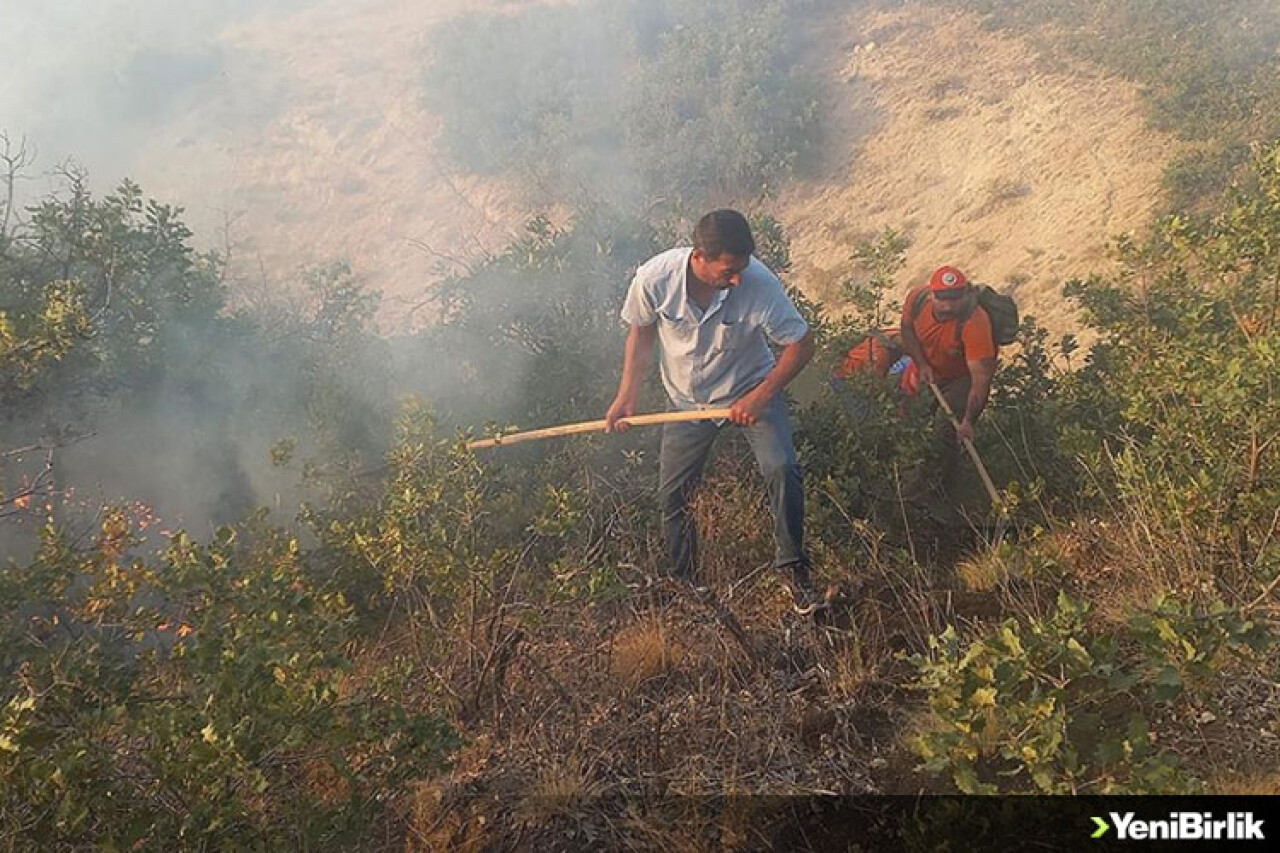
[{"x": 1013, "y": 165}]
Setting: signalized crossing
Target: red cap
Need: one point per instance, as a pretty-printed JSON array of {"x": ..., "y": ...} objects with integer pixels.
[{"x": 948, "y": 281}]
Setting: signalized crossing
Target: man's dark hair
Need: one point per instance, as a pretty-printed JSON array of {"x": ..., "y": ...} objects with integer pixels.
[{"x": 723, "y": 231}]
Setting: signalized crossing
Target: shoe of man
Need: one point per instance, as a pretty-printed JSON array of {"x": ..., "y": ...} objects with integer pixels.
[{"x": 806, "y": 600}]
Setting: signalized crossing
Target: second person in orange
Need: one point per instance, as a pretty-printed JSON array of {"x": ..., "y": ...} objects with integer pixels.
[{"x": 950, "y": 340}]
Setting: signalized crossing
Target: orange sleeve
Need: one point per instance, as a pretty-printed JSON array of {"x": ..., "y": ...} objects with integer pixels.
[
  {"x": 908, "y": 309},
  {"x": 979, "y": 342}
]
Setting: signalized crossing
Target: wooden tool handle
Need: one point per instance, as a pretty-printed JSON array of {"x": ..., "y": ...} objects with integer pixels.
[
  {"x": 597, "y": 426},
  {"x": 968, "y": 446}
]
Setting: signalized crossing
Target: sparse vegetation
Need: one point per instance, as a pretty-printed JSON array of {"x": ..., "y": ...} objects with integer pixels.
[
  {"x": 941, "y": 114},
  {"x": 258, "y": 687},
  {"x": 440, "y": 637},
  {"x": 677, "y": 100},
  {"x": 1211, "y": 77},
  {"x": 997, "y": 193}
]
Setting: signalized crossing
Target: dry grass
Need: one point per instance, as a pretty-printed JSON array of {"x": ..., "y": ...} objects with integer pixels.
[
  {"x": 643, "y": 721},
  {"x": 441, "y": 819},
  {"x": 897, "y": 139},
  {"x": 734, "y": 524},
  {"x": 698, "y": 826},
  {"x": 644, "y": 718},
  {"x": 1140, "y": 546},
  {"x": 618, "y": 723},
  {"x": 985, "y": 571},
  {"x": 1015, "y": 571},
  {"x": 947, "y": 86},
  {"x": 1260, "y": 783},
  {"x": 567, "y": 789},
  {"x": 323, "y": 781},
  {"x": 940, "y": 114},
  {"x": 643, "y": 651}
]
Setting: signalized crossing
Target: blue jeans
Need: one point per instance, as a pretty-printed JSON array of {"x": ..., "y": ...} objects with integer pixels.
[{"x": 685, "y": 450}]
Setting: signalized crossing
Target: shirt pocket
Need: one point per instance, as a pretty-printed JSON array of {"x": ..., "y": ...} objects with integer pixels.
[
  {"x": 730, "y": 336},
  {"x": 673, "y": 328}
]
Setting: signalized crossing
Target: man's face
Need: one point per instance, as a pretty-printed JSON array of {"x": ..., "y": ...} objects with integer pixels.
[
  {"x": 949, "y": 307},
  {"x": 721, "y": 272}
]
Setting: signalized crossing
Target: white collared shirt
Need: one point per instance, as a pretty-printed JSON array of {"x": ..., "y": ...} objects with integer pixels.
[{"x": 711, "y": 358}]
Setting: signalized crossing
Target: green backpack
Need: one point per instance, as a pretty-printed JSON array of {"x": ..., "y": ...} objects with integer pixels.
[{"x": 1002, "y": 310}]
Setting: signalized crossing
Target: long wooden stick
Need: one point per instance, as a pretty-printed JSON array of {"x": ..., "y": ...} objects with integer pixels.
[
  {"x": 968, "y": 445},
  {"x": 597, "y": 426}
]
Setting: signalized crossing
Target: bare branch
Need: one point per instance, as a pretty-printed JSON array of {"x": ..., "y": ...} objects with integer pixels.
[
  {"x": 12, "y": 163},
  {"x": 444, "y": 256}
]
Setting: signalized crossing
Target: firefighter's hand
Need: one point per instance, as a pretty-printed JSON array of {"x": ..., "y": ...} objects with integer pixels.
[
  {"x": 748, "y": 409},
  {"x": 926, "y": 373},
  {"x": 620, "y": 409},
  {"x": 964, "y": 431}
]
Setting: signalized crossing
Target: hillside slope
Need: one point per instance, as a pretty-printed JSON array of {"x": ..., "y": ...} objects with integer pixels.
[
  {"x": 335, "y": 158},
  {"x": 1012, "y": 165},
  {"x": 1003, "y": 161}
]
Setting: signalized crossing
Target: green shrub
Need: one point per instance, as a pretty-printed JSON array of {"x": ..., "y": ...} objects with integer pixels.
[
  {"x": 204, "y": 698},
  {"x": 111, "y": 323},
  {"x": 1056, "y": 707},
  {"x": 1180, "y": 390}
]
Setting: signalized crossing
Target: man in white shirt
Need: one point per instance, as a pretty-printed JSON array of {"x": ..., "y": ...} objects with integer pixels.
[{"x": 714, "y": 309}]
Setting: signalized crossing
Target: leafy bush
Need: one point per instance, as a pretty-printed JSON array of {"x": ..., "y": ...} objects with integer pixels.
[
  {"x": 111, "y": 324},
  {"x": 718, "y": 105},
  {"x": 1180, "y": 389},
  {"x": 124, "y": 265},
  {"x": 206, "y": 698},
  {"x": 1056, "y": 707}
]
